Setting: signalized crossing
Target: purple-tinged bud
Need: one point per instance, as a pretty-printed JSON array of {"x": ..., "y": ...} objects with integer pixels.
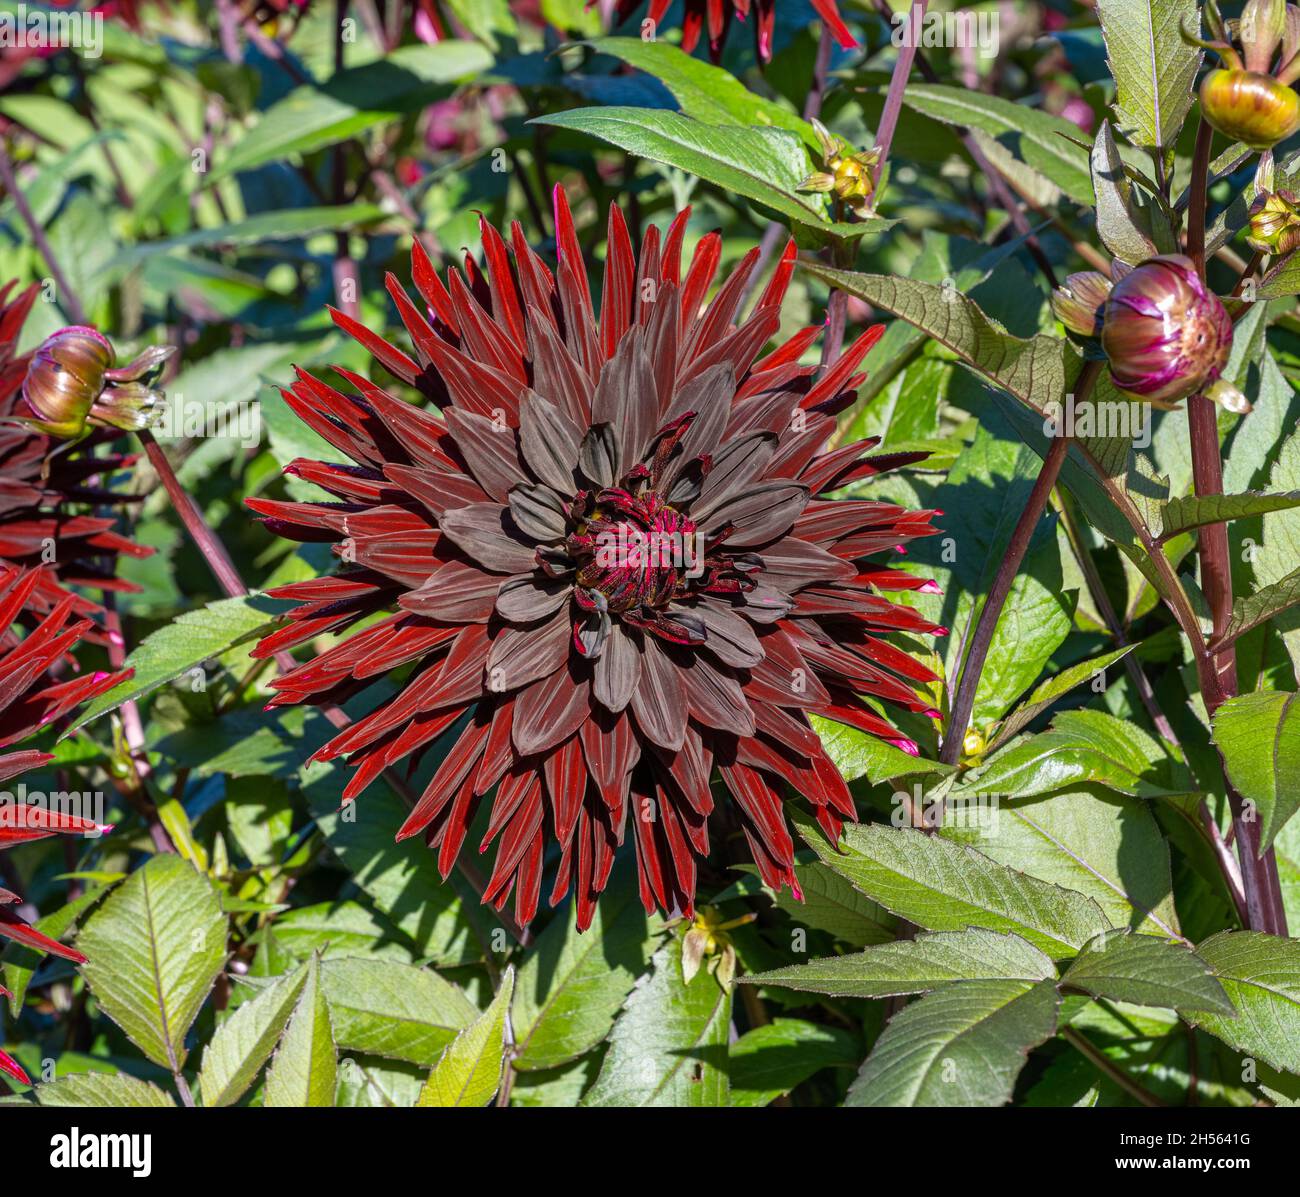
[
  {"x": 72, "y": 382},
  {"x": 1275, "y": 223},
  {"x": 1250, "y": 107},
  {"x": 1166, "y": 335}
]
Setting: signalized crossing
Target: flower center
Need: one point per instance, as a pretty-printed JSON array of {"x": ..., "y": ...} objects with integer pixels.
[{"x": 636, "y": 550}]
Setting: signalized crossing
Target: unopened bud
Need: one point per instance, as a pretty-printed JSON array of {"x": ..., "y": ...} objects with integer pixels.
[
  {"x": 1275, "y": 223},
  {"x": 72, "y": 383},
  {"x": 1164, "y": 332}
]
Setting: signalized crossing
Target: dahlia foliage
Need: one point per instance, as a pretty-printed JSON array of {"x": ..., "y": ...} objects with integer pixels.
[
  {"x": 610, "y": 563},
  {"x": 30, "y": 698},
  {"x": 47, "y": 491}
]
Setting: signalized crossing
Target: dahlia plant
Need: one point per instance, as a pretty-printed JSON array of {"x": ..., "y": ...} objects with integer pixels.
[
  {"x": 610, "y": 560},
  {"x": 691, "y": 566}
]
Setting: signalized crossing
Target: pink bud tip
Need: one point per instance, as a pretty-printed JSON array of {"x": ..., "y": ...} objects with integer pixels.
[
  {"x": 942, "y": 632},
  {"x": 100, "y": 675},
  {"x": 933, "y": 714},
  {"x": 898, "y": 548},
  {"x": 104, "y": 828},
  {"x": 116, "y": 638},
  {"x": 931, "y": 587},
  {"x": 908, "y": 746}
]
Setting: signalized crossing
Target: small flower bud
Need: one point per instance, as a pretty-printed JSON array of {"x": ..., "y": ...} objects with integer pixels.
[
  {"x": 65, "y": 377},
  {"x": 1250, "y": 107},
  {"x": 72, "y": 382},
  {"x": 1166, "y": 335},
  {"x": 1275, "y": 223},
  {"x": 847, "y": 175},
  {"x": 1080, "y": 302}
]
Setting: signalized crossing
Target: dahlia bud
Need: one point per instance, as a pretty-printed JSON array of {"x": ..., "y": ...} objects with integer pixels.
[
  {"x": 1166, "y": 334},
  {"x": 1250, "y": 107},
  {"x": 72, "y": 382},
  {"x": 1275, "y": 223},
  {"x": 847, "y": 175}
]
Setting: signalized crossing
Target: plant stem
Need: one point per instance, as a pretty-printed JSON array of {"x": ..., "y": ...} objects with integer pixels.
[
  {"x": 1197, "y": 199},
  {"x": 1218, "y": 669},
  {"x": 897, "y": 85},
  {"x": 964, "y": 701},
  {"x": 1205, "y": 821},
  {"x": 1109, "y": 1069},
  {"x": 812, "y": 107},
  {"x": 67, "y": 297}
]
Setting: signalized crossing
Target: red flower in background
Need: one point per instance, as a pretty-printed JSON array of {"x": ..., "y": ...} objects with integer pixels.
[
  {"x": 46, "y": 488},
  {"x": 715, "y": 17},
  {"x": 599, "y": 690},
  {"x": 30, "y": 698}
]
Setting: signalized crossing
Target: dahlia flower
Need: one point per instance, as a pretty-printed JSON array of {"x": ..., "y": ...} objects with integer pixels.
[
  {"x": 41, "y": 480},
  {"x": 30, "y": 698},
  {"x": 717, "y": 14},
  {"x": 608, "y": 561}
]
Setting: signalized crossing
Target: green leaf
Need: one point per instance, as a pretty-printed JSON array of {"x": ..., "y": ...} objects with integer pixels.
[
  {"x": 341, "y": 929},
  {"x": 244, "y": 1042},
  {"x": 706, "y": 93},
  {"x": 1045, "y": 142},
  {"x": 916, "y": 965},
  {"x": 1192, "y": 511},
  {"x": 289, "y": 224},
  {"x": 153, "y": 950},
  {"x": 1153, "y": 67},
  {"x": 768, "y": 1061},
  {"x": 1099, "y": 843},
  {"x": 318, "y": 115},
  {"x": 831, "y": 904},
  {"x": 1261, "y": 975},
  {"x": 445, "y": 926},
  {"x": 1032, "y": 368},
  {"x": 21, "y": 962},
  {"x": 943, "y": 886},
  {"x": 669, "y": 1046},
  {"x": 1080, "y": 747},
  {"x": 102, "y": 1090},
  {"x": 1277, "y": 555},
  {"x": 1259, "y": 737},
  {"x": 1148, "y": 971},
  {"x": 391, "y": 1009},
  {"x": 1282, "y": 279},
  {"x": 1125, "y": 227},
  {"x": 1249, "y": 611},
  {"x": 190, "y": 639},
  {"x": 963, "y": 1045},
  {"x": 304, "y": 1071},
  {"x": 1056, "y": 687},
  {"x": 571, "y": 986},
  {"x": 858, "y": 754},
  {"x": 468, "y": 1072},
  {"x": 763, "y": 165}
]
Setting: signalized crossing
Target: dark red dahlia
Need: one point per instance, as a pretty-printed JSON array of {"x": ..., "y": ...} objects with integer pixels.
[
  {"x": 607, "y": 554},
  {"x": 48, "y": 489},
  {"x": 716, "y": 15},
  {"x": 31, "y": 697}
]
